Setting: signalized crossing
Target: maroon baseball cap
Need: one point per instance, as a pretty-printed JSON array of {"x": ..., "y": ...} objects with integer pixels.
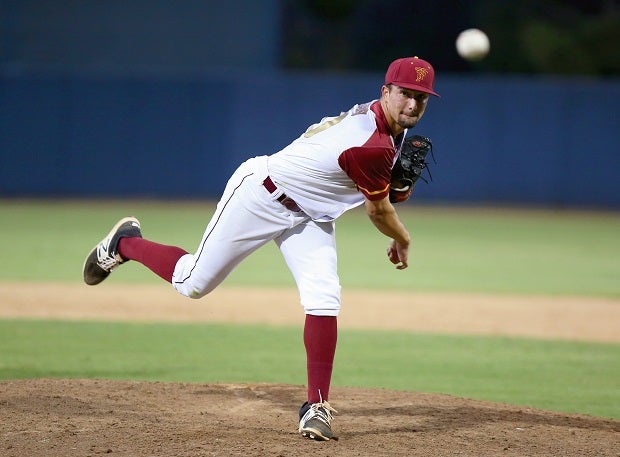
[{"x": 412, "y": 73}]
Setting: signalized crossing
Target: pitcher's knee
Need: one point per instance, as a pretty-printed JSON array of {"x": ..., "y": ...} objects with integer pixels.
[
  {"x": 190, "y": 280},
  {"x": 321, "y": 302},
  {"x": 322, "y": 309},
  {"x": 192, "y": 289}
]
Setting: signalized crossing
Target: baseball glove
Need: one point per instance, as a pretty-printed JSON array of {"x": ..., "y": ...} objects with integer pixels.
[{"x": 409, "y": 166}]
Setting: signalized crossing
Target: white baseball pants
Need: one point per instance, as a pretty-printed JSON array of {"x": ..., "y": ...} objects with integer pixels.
[{"x": 247, "y": 217}]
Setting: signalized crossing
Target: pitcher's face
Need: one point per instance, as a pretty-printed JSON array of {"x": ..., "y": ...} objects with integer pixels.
[{"x": 403, "y": 107}]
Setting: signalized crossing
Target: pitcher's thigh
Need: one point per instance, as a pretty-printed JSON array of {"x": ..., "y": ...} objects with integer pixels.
[
  {"x": 309, "y": 250},
  {"x": 241, "y": 224}
]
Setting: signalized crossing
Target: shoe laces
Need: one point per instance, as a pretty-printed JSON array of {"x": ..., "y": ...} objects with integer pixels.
[
  {"x": 108, "y": 263},
  {"x": 323, "y": 410},
  {"x": 104, "y": 260}
]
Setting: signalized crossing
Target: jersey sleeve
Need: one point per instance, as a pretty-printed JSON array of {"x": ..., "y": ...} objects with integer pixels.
[{"x": 370, "y": 168}]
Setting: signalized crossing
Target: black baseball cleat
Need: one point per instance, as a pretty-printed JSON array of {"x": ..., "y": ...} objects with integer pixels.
[
  {"x": 315, "y": 421},
  {"x": 104, "y": 257}
]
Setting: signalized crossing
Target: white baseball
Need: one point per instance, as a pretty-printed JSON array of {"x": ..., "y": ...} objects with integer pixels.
[{"x": 472, "y": 44}]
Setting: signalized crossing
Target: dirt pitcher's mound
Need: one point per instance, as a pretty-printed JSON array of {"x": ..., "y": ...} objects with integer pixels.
[{"x": 94, "y": 417}]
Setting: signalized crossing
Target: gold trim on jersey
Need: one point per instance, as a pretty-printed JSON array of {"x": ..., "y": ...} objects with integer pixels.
[
  {"x": 376, "y": 191},
  {"x": 324, "y": 125}
]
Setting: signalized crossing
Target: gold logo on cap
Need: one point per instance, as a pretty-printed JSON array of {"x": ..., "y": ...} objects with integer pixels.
[{"x": 421, "y": 73}]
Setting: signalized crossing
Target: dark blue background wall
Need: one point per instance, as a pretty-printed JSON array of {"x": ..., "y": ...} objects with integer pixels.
[
  {"x": 517, "y": 140},
  {"x": 139, "y": 35}
]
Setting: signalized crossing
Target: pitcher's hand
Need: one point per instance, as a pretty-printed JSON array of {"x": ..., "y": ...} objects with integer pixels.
[{"x": 398, "y": 255}]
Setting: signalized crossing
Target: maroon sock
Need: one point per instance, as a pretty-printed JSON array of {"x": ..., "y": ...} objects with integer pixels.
[
  {"x": 320, "y": 335},
  {"x": 159, "y": 258}
]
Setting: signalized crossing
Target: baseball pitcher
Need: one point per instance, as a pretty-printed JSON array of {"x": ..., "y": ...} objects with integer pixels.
[{"x": 361, "y": 157}]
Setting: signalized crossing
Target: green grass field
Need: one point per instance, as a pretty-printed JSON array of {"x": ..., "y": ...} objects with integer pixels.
[{"x": 471, "y": 250}]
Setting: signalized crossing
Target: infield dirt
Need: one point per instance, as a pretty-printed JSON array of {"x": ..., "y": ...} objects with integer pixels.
[{"x": 56, "y": 417}]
